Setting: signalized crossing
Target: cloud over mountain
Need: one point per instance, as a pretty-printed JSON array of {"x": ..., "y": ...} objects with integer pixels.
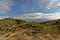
[{"x": 40, "y": 16}]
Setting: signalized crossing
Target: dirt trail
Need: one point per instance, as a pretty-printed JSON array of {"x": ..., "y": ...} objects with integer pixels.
[
  {"x": 6, "y": 36},
  {"x": 21, "y": 36}
]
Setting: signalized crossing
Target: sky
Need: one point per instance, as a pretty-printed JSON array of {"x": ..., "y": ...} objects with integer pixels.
[{"x": 20, "y": 7}]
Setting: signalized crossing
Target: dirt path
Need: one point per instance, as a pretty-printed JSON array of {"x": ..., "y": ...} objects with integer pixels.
[
  {"x": 6, "y": 36},
  {"x": 20, "y": 36}
]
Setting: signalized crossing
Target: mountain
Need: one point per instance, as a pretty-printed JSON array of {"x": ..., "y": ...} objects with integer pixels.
[{"x": 39, "y": 17}]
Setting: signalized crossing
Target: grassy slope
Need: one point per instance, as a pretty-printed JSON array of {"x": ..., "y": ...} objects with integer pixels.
[{"x": 31, "y": 29}]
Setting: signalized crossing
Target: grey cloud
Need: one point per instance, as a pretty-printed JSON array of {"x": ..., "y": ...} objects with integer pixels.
[{"x": 5, "y": 5}]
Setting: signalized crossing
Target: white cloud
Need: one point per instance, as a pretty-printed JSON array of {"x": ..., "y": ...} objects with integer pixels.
[
  {"x": 49, "y": 3},
  {"x": 53, "y": 3},
  {"x": 33, "y": 15},
  {"x": 40, "y": 16},
  {"x": 3, "y": 17},
  {"x": 55, "y": 15},
  {"x": 5, "y": 5}
]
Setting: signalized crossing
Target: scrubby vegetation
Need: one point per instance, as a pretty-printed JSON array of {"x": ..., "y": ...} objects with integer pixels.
[{"x": 12, "y": 25}]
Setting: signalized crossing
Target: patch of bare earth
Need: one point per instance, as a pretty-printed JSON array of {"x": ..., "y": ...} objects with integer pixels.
[{"x": 24, "y": 36}]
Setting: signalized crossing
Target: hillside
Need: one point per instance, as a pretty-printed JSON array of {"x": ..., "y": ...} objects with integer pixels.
[{"x": 17, "y": 29}]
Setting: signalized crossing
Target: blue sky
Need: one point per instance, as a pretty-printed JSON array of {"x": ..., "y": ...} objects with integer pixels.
[{"x": 21, "y": 7}]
